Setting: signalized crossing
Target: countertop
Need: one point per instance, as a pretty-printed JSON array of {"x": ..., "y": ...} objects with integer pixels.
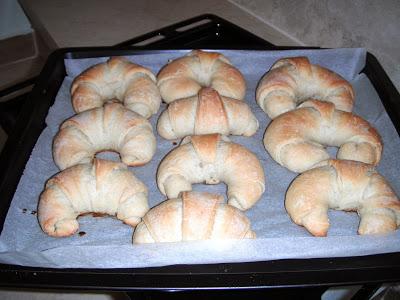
[{"x": 105, "y": 23}]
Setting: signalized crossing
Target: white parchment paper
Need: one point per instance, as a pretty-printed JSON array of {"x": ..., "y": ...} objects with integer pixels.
[{"x": 107, "y": 241}]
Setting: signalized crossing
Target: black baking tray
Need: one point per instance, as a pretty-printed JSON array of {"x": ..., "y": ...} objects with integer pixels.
[{"x": 211, "y": 33}]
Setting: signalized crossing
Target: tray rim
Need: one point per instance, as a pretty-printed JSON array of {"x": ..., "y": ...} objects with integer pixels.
[{"x": 325, "y": 271}]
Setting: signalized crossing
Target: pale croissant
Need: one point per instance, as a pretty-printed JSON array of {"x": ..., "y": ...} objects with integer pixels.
[
  {"x": 206, "y": 113},
  {"x": 112, "y": 127},
  {"x": 104, "y": 187},
  {"x": 297, "y": 138},
  {"x": 193, "y": 216},
  {"x": 118, "y": 78},
  {"x": 211, "y": 159},
  {"x": 343, "y": 185},
  {"x": 185, "y": 76},
  {"x": 291, "y": 80}
]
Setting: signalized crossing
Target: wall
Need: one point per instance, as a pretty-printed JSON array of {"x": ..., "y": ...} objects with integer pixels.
[{"x": 374, "y": 25}]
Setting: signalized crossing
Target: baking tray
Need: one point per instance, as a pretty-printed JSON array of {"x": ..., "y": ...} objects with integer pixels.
[{"x": 211, "y": 33}]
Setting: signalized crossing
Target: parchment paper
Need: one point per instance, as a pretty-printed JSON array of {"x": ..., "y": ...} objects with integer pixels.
[{"x": 107, "y": 241}]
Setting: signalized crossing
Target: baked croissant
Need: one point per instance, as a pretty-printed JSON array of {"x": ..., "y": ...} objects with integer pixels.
[
  {"x": 118, "y": 78},
  {"x": 211, "y": 159},
  {"x": 292, "y": 80},
  {"x": 297, "y": 138},
  {"x": 193, "y": 216},
  {"x": 343, "y": 185},
  {"x": 103, "y": 187},
  {"x": 112, "y": 127},
  {"x": 206, "y": 113},
  {"x": 185, "y": 76}
]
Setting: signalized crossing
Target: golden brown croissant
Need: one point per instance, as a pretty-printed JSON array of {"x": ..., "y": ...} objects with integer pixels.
[
  {"x": 193, "y": 216},
  {"x": 118, "y": 78},
  {"x": 206, "y": 113},
  {"x": 293, "y": 80},
  {"x": 103, "y": 187},
  {"x": 112, "y": 127},
  {"x": 185, "y": 76},
  {"x": 343, "y": 185},
  {"x": 296, "y": 139},
  {"x": 211, "y": 159}
]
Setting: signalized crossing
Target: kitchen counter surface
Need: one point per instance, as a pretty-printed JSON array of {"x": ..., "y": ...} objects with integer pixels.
[{"x": 105, "y": 23}]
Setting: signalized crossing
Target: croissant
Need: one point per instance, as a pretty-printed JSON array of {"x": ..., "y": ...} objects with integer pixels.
[
  {"x": 297, "y": 138},
  {"x": 185, "y": 76},
  {"x": 211, "y": 159},
  {"x": 118, "y": 78},
  {"x": 291, "y": 80},
  {"x": 103, "y": 187},
  {"x": 343, "y": 185},
  {"x": 193, "y": 216},
  {"x": 112, "y": 127},
  {"x": 206, "y": 113}
]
